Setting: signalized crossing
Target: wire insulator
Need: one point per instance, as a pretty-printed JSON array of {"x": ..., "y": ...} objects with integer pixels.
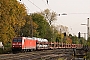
[{"x": 47, "y": 1}]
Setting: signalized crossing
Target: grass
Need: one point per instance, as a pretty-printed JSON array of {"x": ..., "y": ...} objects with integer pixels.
[{"x": 60, "y": 58}]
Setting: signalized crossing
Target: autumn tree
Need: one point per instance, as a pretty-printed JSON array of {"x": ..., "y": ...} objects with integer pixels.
[
  {"x": 49, "y": 16},
  {"x": 12, "y": 15}
]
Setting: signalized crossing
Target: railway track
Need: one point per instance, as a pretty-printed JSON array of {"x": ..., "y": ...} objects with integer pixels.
[{"x": 40, "y": 55}]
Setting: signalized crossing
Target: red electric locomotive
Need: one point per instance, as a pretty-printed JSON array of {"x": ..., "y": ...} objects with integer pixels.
[{"x": 23, "y": 43}]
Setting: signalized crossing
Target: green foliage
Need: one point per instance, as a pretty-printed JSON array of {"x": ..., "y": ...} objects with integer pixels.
[
  {"x": 29, "y": 28},
  {"x": 53, "y": 34},
  {"x": 88, "y": 41},
  {"x": 43, "y": 30},
  {"x": 75, "y": 39},
  {"x": 1, "y": 50},
  {"x": 58, "y": 38},
  {"x": 39, "y": 20},
  {"x": 88, "y": 55},
  {"x": 82, "y": 41}
]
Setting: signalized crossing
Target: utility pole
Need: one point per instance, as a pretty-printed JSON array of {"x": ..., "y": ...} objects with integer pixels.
[
  {"x": 61, "y": 35},
  {"x": 87, "y": 28}
]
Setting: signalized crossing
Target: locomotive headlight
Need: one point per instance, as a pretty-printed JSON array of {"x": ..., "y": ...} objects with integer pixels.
[
  {"x": 13, "y": 46},
  {"x": 20, "y": 46}
]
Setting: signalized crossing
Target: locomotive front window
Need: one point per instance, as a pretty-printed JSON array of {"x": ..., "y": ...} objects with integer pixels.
[
  {"x": 19, "y": 40},
  {"x": 14, "y": 40}
]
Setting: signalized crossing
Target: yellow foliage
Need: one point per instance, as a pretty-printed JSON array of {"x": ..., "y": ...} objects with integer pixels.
[
  {"x": 62, "y": 36},
  {"x": 12, "y": 15}
]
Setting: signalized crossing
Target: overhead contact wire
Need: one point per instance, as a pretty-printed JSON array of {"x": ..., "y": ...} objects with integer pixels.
[{"x": 34, "y": 4}]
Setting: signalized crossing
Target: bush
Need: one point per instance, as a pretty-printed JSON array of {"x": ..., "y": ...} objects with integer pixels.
[
  {"x": 7, "y": 50},
  {"x": 88, "y": 55},
  {"x": 1, "y": 50}
]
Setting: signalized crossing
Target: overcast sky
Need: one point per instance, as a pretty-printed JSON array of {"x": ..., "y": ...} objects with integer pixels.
[{"x": 77, "y": 12}]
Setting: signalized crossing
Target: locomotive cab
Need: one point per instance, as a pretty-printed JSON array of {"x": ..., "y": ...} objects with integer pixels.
[{"x": 16, "y": 44}]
